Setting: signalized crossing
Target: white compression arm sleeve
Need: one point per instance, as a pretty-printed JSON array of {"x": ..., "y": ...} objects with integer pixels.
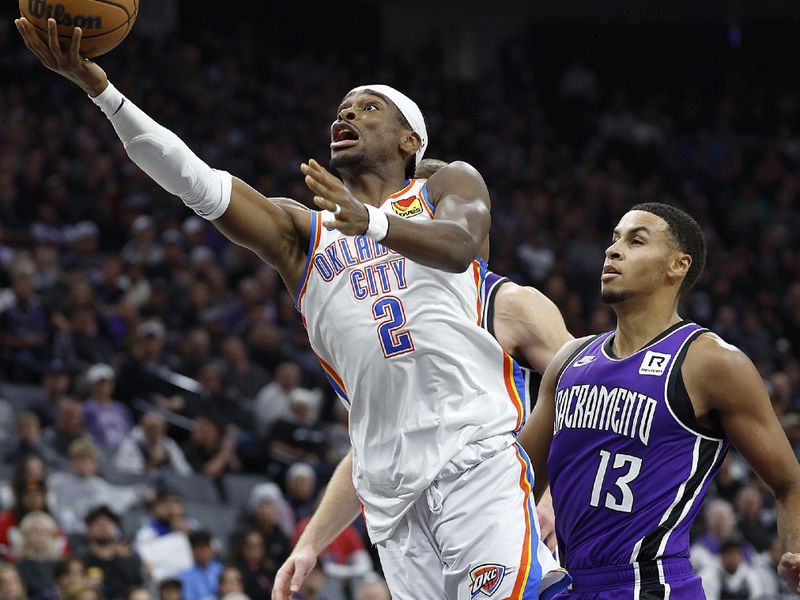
[{"x": 165, "y": 158}]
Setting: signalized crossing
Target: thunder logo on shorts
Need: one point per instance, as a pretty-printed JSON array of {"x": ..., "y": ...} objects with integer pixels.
[{"x": 486, "y": 578}]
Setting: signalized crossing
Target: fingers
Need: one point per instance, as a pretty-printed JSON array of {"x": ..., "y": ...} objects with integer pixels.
[
  {"x": 325, "y": 204},
  {"x": 300, "y": 573},
  {"x": 35, "y": 43},
  {"x": 316, "y": 186},
  {"x": 75, "y": 46},
  {"x": 52, "y": 42},
  {"x": 280, "y": 591}
]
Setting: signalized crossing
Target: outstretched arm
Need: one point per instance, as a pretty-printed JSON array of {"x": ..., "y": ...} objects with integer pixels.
[
  {"x": 528, "y": 325},
  {"x": 338, "y": 508},
  {"x": 537, "y": 433},
  {"x": 245, "y": 216},
  {"x": 725, "y": 380},
  {"x": 449, "y": 242}
]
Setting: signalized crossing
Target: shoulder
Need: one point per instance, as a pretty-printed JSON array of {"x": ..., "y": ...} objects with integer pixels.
[
  {"x": 723, "y": 374},
  {"x": 456, "y": 175},
  {"x": 711, "y": 358},
  {"x": 567, "y": 351}
]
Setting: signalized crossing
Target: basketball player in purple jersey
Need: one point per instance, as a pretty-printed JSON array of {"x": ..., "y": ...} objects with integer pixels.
[{"x": 636, "y": 422}]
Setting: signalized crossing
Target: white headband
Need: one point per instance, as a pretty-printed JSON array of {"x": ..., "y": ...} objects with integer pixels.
[{"x": 407, "y": 107}]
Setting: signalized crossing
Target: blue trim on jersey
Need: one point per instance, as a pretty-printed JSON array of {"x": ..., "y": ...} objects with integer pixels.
[
  {"x": 337, "y": 388},
  {"x": 313, "y": 239},
  {"x": 531, "y": 590},
  {"x": 522, "y": 391},
  {"x": 427, "y": 200}
]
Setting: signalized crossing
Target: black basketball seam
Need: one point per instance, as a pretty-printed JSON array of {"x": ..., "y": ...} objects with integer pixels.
[{"x": 121, "y": 6}]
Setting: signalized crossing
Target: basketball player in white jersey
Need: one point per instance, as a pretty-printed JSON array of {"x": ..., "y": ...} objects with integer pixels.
[{"x": 387, "y": 282}]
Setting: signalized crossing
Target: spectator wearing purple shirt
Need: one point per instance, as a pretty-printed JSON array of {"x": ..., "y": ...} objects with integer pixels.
[{"x": 107, "y": 420}]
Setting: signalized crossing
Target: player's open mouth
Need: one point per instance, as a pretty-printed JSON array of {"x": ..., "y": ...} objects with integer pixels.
[{"x": 343, "y": 135}]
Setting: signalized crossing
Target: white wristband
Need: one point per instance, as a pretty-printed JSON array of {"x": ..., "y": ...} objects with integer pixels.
[{"x": 378, "y": 226}]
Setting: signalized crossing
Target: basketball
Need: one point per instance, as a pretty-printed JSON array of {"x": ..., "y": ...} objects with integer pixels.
[{"x": 105, "y": 23}]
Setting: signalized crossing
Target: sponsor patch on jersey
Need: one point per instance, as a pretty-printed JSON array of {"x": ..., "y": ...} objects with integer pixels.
[
  {"x": 654, "y": 363},
  {"x": 486, "y": 579},
  {"x": 408, "y": 207},
  {"x": 583, "y": 360}
]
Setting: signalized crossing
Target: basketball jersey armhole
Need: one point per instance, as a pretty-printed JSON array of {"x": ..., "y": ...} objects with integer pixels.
[
  {"x": 578, "y": 351},
  {"x": 315, "y": 231},
  {"x": 678, "y": 396}
]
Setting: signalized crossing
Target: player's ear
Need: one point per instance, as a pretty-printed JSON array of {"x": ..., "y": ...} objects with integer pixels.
[
  {"x": 410, "y": 143},
  {"x": 679, "y": 265}
]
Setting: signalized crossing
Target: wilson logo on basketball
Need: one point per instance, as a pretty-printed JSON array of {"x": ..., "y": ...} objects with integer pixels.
[
  {"x": 408, "y": 207},
  {"x": 486, "y": 579},
  {"x": 45, "y": 10}
]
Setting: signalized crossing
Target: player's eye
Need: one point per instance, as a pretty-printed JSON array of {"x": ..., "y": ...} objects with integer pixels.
[
  {"x": 636, "y": 242},
  {"x": 370, "y": 106}
]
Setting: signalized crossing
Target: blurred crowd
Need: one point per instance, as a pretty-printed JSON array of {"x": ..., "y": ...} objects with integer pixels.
[{"x": 155, "y": 377}]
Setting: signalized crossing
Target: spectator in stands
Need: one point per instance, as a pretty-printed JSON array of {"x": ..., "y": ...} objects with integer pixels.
[
  {"x": 87, "y": 592},
  {"x": 301, "y": 484},
  {"x": 41, "y": 549},
  {"x": 30, "y": 496},
  {"x": 141, "y": 375},
  {"x": 216, "y": 404},
  {"x": 273, "y": 401},
  {"x": 55, "y": 382},
  {"x": 297, "y": 436},
  {"x": 231, "y": 582},
  {"x": 138, "y": 593},
  {"x": 730, "y": 576},
  {"x": 107, "y": 420},
  {"x": 29, "y": 441},
  {"x": 242, "y": 378},
  {"x": 209, "y": 451},
  {"x": 257, "y": 569},
  {"x": 77, "y": 493},
  {"x": 271, "y": 516},
  {"x": 168, "y": 516},
  {"x": 11, "y": 586},
  {"x": 170, "y": 589},
  {"x": 68, "y": 574},
  {"x": 24, "y": 330},
  {"x": 119, "y": 567},
  {"x": 67, "y": 428},
  {"x": 720, "y": 522},
  {"x": 201, "y": 581},
  {"x": 373, "y": 589},
  {"x": 749, "y": 506},
  {"x": 147, "y": 450},
  {"x": 87, "y": 344}
]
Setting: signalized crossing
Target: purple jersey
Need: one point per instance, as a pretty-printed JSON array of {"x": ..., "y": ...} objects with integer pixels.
[{"x": 628, "y": 465}]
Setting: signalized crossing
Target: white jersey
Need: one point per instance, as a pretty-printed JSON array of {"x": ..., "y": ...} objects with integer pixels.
[{"x": 430, "y": 392}]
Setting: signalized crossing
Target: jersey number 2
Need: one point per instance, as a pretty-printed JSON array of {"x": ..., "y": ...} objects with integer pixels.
[
  {"x": 620, "y": 460},
  {"x": 394, "y": 341}
]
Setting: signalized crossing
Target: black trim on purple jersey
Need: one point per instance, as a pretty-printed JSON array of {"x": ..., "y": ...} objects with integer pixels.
[
  {"x": 574, "y": 355},
  {"x": 608, "y": 345},
  {"x": 679, "y": 400},
  {"x": 651, "y": 586},
  {"x": 489, "y": 318},
  {"x": 708, "y": 451}
]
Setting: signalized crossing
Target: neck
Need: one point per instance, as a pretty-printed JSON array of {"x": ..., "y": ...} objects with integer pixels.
[
  {"x": 377, "y": 185},
  {"x": 637, "y": 324}
]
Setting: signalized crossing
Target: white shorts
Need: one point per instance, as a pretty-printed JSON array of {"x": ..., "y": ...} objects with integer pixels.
[{"x": 473, "y": 535}]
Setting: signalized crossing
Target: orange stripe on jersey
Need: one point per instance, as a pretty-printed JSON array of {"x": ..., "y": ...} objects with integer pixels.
[
  {"x": 511, "y": 388},
  {"x": 403, "y": 191},
  {"x": 332, "y": 373},
  {"x": 315, "y": 234},
  {"x": 476, "y": 270},
  {"x": 525, "y": 559},
  {"x": 424, "y": 203}
]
